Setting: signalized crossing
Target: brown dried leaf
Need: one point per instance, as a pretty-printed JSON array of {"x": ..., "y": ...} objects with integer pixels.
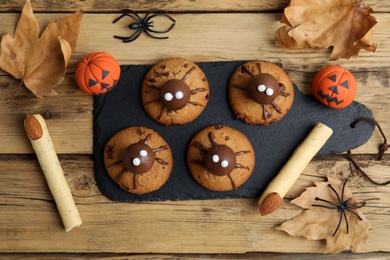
[
  {"x": 344, "y": 25},
  {"x": 40, "y": 61},
  {"x": 316, "y": 223}
]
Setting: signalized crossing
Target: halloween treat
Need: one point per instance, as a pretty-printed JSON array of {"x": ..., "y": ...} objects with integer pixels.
[
  {"x": 260, "y": 93},
  {"x": 138, "y": 159},
  {"x": 220, "y": 158},
  {"x": 334, "y": 86},
  {"x": 272, "y": 197},
  {"x": 97, "y": 73},
  {"x": 143, "y": 25},
  {"x": 175, "y": 91},
  {"x": 43, "y": 146}
]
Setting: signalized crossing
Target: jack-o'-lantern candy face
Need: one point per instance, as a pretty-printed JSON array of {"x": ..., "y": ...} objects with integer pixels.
[
  {"x": 97, "y": 73},
  {"x": 334, "y": 86}
]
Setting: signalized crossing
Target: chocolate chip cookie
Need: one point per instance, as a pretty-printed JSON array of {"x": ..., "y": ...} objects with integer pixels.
[
  {"x": 260, "y": 93},
  {"x": 138, "y": 159},
  {"x": 175, "y": 91},
  {"x": 220, "y": 158}
]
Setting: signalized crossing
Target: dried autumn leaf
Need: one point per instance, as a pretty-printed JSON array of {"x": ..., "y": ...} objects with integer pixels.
[
  {"x": 317, "y": 223},
  {"x": 40, "y": 61},
  {"x": 344, "y": 25}
]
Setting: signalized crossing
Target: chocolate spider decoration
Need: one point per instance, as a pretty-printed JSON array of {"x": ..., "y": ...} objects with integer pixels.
[
  {"x": 219, "y": 159},
  {"x": 143, "y": 25},
  {"x": 264, "y": 89},
  {"x": 138, "y": 158},
  {"x": 341, "y": 206},
  {"x": 175, "y": 94}
]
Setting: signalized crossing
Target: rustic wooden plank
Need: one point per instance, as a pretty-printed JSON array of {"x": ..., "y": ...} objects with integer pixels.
[
  {"x": 243, "y": 256},
  {"x": 231, "y": 226},
  {"x": 238, "y": 36},
  {"x": 172, "y": 6},
  {"x": 68, "y": 117},
  {"x": 138, "y": 5},
  {"x": 224, "y": 43}
]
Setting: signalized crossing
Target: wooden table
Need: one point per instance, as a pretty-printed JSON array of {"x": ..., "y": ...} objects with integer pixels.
[{"x": 30, "y": 225}]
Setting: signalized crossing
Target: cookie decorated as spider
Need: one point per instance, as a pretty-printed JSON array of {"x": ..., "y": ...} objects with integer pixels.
[
  {"x": 138, "y": 159},
  {"x": 97, "y": 73},
  {"x": 220, "y": 158},
  {"x": 334, "y": 86},
  {"x": 175, "y": 91},
  {"x": 260, "y": 93}
]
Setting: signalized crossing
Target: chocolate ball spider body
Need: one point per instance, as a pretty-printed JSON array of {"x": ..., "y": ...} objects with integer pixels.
[
  {"x": 138, "y": 158},
  {"x": 175, "y": 91},
  {"x": 220, "y": 160},
  {"x": 175, "y": 94}
]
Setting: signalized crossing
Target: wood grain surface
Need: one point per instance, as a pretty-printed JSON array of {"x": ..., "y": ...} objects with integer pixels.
[{"x": 30, "y": 226}]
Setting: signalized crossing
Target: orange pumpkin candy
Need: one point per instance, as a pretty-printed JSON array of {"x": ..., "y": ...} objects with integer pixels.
[
  {"x": 97, "y": 73},
  {"x": 334, "y": 86}
]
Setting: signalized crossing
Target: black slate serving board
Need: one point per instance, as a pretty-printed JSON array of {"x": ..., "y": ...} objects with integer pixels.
[{"x": 273, "y": 144}]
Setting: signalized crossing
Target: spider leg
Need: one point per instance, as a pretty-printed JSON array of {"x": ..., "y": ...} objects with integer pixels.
[
  {"x": 338, "y": 225},
  {"x": 129, "y": 13},
  {"x": 353, "y": 212},
  {"x": 147, "y": 31},
  {"x": 151, "y": 15},
  {"x": 131, "y": 38},
  {"x": 346, "y": 220},
  {"x": 335, "y": 206},
  {"x": 337, "y": 195}
]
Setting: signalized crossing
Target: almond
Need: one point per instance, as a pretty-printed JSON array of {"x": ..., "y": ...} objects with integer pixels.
[
  {"x": 33, "y": 127},
  {"x": 271, "y": 203}
]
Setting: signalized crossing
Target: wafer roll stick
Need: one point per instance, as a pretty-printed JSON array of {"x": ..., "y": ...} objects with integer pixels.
[
  {"x": 271, "y": 199},
  {"x": 43, "y": 146}
]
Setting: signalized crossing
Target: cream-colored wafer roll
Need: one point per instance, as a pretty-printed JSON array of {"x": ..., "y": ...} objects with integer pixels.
[
  {"x": 43, "y": 146},
  {"x": 272, "y": 197}
]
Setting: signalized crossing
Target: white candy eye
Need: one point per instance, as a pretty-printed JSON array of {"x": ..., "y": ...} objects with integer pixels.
[
  {"x": 215, "y": 158},
  {"x": 179, "y": 95},
  {"x": 224, "y": 163},
  {"x": 261, "y": 88},
  {"x": 136, "y": 161},
  {"x": 269, "y": 92},
  {"x": 143, "y": 153},
  {"x": 168, "y": 96}
]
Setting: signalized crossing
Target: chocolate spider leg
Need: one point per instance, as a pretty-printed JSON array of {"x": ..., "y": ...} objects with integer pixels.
[
  {"x": 161, "y": 161},
  {"x": 278, "y": 109},
  {"x": 232, "y": 181},
  {"x": 185, "y": 77},
  {"x": 239, "y": 87},
  {"x": 115, "y": 163},
  {"x": 197, "y": 90},
  {"x": 161, "y": 148},
  {"x": 240, "y": 166},
  {"x": 120, "y": 174},
  {"x": 199, "y": 146},
  {"x": 212, "y": 139},
  {"x": 134, "y": 181},
  {"x": 195, "y": 103},
  {"x": 146, "y": 139},
  {"x": 242, "y": 152}
]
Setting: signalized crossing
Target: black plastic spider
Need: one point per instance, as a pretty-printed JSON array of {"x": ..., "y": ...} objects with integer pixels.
[
  {"x": 341, "y": 206},
  {"x": 143, "y": 25}
]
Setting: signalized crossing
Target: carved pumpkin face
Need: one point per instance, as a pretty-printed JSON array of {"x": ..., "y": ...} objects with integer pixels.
[
  {"x": 97, "y": 73},
  {"x": 334, "y": 86}
]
